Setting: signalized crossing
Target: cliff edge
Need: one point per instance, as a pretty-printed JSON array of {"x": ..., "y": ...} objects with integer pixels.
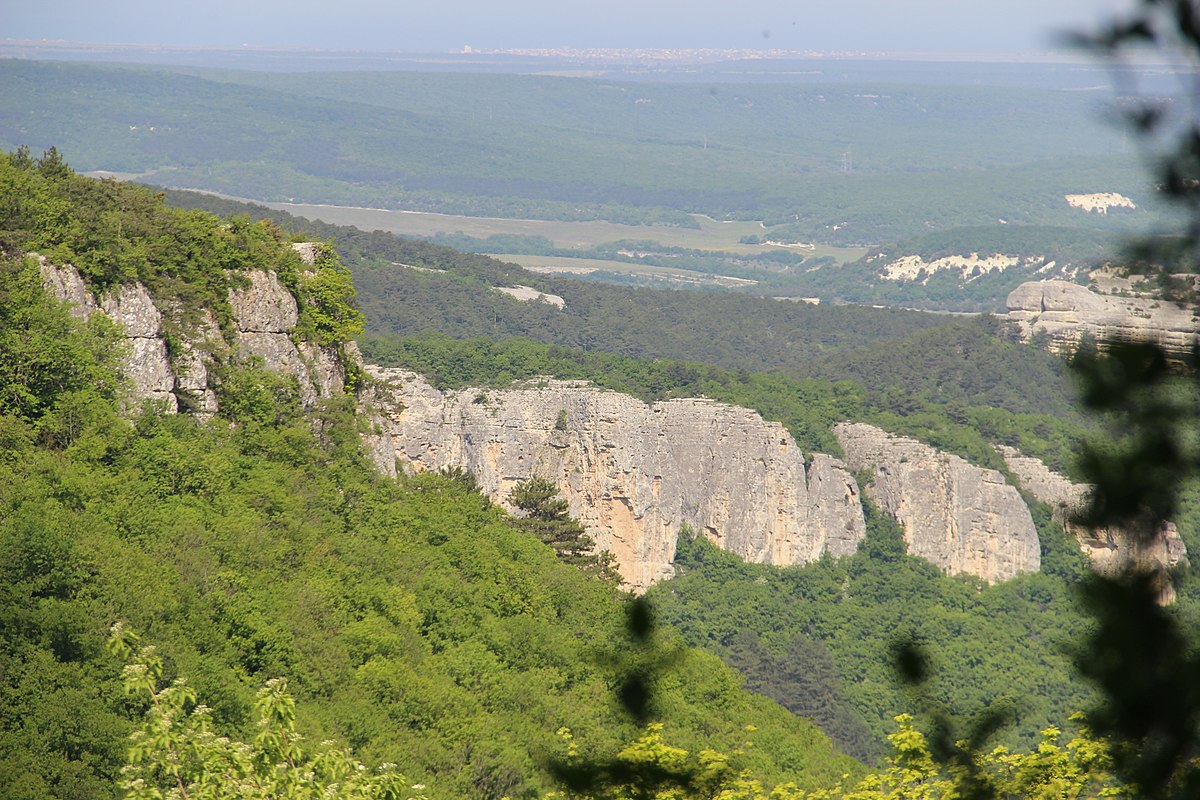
[
  {"x": 963, "y": 518},
  {"x": 632, "y": 473},
  {"x": 1066, "y": 312},
  {"x": 172, "y": 367}
]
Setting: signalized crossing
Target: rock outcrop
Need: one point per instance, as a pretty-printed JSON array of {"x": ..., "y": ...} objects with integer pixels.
[
  {"x": 632, "y": 473},
  {"x": 1066, "y": 312},
  {"x": 264, "y": 317},
  {"x": 130, "y": 306},
  {"x": 963, "y": 518},
  {"x": 528, "y": 294},
  {"x": 1110, "y": 550},
  {"x": 1099, "y": 202}
]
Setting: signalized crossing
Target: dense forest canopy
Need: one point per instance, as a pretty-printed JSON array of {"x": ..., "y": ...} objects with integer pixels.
[{"x": 414, "y": 621}]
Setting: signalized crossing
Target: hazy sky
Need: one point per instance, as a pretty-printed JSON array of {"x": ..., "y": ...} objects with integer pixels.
[{"x": 440, "y": 25}]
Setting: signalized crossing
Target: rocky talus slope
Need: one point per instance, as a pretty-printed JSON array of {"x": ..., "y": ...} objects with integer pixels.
[
  {"x": 632, "y": 473},
  {"x": 961, "y": 517},
  {"x": 1066, "y": 312}
]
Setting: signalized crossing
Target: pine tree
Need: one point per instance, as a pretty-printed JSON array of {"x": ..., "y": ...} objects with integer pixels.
[{"x": 547, "y": 517}]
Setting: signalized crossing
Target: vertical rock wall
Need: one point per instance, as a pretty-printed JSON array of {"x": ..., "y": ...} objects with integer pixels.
[
  {"x": 130, "y": 306},
  {"x": 632, "y": 473},
  {"x": 1065, "y": 312},
  {"x": 963, "y": 518},
  {"x": 264, "y": 315},
  {"x": 1110, "y": 550}
]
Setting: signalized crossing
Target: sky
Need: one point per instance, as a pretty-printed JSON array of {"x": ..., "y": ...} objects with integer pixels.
[{"x": 985, "y": 26}]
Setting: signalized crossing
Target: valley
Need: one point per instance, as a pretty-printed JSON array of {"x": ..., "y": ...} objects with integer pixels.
[{"x": 572, "y": 423}]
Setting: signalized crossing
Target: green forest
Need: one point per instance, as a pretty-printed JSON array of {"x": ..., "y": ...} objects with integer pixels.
[
  {"x": 419, "y": 637},
  {"x": 525, "y": 146},
  {"x": 414, "y": 622}
]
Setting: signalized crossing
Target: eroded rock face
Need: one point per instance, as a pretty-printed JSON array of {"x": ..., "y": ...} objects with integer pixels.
[
  {"x": 632, "y": 473},
  {"x": 963, "y": 518},
  {"x": 264, "y": 313},
  {"x": 1110, "y": 550},
  {"x": 147, "y": 365},
  {"x": 263, "y": 306},
  {"x": 1065, "y": 312}
]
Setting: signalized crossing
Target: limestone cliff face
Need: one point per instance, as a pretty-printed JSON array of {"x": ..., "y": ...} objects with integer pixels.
[
  {"x": 1065, "y": 312},
  {"x": 963, "y": 518},
  {"x": 1111, "y": 550},
  {"x": 147, "y": 366},
  {"x": 632, "y": 473},
  {"x": 264, "y": 315}
]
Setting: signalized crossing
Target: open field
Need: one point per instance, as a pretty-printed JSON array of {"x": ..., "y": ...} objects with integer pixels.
[
  {"x": 582, "y": 266},
  {"x": 711, "y": 235}
]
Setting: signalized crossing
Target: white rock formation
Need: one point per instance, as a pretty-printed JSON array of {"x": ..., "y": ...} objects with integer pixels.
[
  {"x": 1110, "y": 550},
  {"x": 1065, "y": 312},
  {"x": 632, "y": 473},
  {"x": 527, "y": 294},
  {"x": 1099, "y": 202},
  {"x": 130, "y": 306},
  {"x": 265, "y": 315},
  {"x": 963, "y": 518},
  {"x": 968, "y": 266}
]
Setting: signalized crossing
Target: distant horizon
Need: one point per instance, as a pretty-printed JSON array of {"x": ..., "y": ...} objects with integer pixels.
[
  {"x": 989, "y": 27},
  {"x": 1065, "y": 54}
]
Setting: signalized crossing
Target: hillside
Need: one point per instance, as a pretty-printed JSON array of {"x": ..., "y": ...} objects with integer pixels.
[{"x": 414, "y": 622}]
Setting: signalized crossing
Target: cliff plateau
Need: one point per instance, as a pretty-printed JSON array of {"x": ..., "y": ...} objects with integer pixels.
[
  {"x": 632, "y": 473},
  {"x": 1066, "y": 312}
]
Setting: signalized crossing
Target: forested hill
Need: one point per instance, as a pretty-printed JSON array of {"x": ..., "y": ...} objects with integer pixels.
[
  {"x": 731, "y": 331},
  {"x": 415, "y": 623},
  {"x": 942, "y": 379},
  {"x": 527, "y": 146}
]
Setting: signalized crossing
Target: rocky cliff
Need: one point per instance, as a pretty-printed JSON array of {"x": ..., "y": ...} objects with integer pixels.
[
  {"x": 963, "y": 518},
  {"x": 264, "y": 316},
  {"x": 1110, "y": 550},
  {"x": 632, "y": 473},
  {"x": 1066, "y": 312}
]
